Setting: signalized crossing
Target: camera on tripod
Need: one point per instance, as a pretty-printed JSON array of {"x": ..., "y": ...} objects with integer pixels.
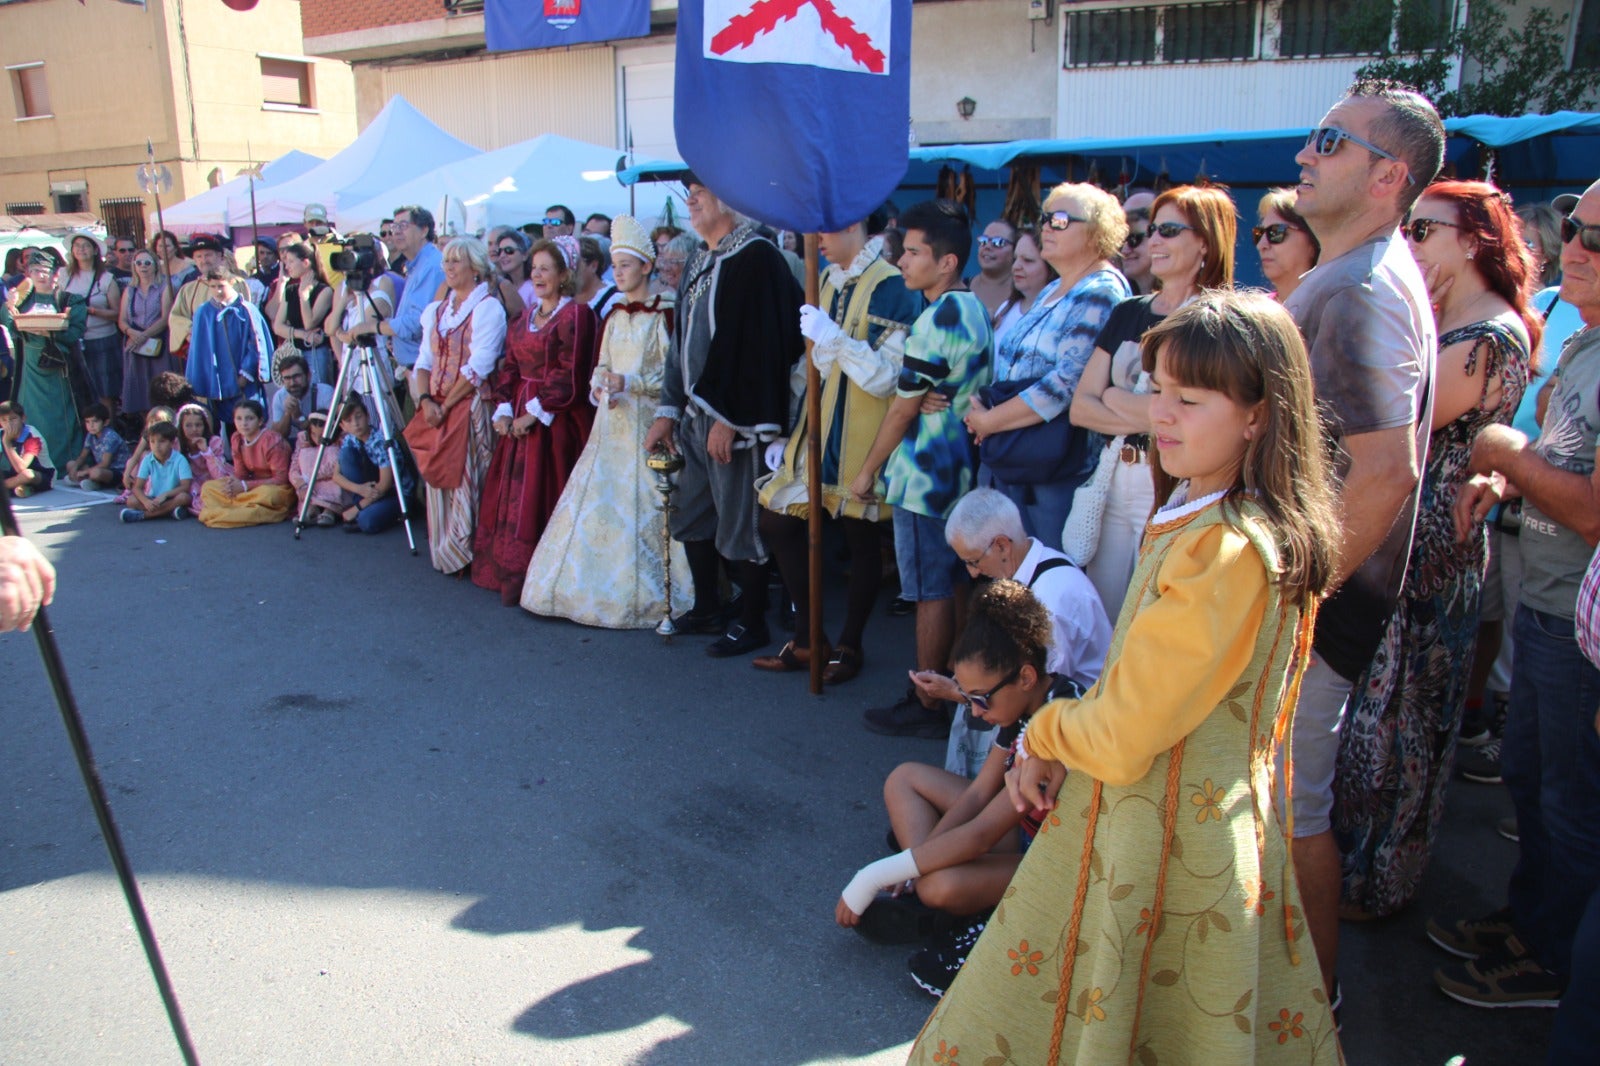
[{"x": 356, "y": 260}]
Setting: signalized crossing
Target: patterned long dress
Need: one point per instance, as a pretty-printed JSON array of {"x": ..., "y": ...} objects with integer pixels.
[
  {"x": 551, "y": 365},
  {"x": 1398, "y": 742},
  {"x": 1155, "y": 918},
  {"x": 453, "y": 513},
  {"x": 600, "y": 559}
]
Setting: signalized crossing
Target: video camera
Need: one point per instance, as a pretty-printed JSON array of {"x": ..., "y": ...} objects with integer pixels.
[{"x": 357, "y": 260}]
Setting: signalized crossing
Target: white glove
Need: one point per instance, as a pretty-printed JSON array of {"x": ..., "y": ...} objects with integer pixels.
[
  {"x": 774, "y": 456},
  {"x": 817, "y": 327},
  {"x": 884, "y": 873}
]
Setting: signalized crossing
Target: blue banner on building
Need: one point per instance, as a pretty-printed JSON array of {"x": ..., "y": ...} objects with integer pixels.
[
  {"x": 796, "y": 112},
  {"x": 514, "y": 25}
]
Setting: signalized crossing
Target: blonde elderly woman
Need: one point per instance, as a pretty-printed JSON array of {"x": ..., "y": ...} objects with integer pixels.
[
  {"x": 1038, "y": 362},
  {"x": 462, "y": 337}
]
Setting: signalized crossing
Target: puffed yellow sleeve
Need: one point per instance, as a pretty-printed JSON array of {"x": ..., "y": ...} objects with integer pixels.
[{"x": 1180, "y": 656}]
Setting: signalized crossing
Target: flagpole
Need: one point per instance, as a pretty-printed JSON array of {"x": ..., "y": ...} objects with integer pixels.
[{"x": 814, "y": 476}]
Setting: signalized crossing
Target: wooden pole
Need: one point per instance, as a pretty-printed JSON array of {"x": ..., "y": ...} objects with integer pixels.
[{"x": 814, "y": 475}]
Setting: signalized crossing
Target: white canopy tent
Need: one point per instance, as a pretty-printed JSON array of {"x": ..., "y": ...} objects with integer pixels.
[
  {"x": 509, "y": 186},
  {"x": 398, "y": 145},
  {"x": 209, "y": 211}
]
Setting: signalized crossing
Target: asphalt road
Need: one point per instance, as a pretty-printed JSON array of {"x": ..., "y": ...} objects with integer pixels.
[{"x": 378, "y": 818}]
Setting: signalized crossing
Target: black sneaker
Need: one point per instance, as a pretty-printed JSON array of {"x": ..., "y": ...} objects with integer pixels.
[
  {"x": 899, "y": 607},
  {"x": 1509, "y": 977},
  {"x": 1472, "y": 938},
  {"x": 907, "y": 717},
  {"x": 1481, "y": 764},
  {"x": 934, "y": 968},
  {"x": 1474, "y": 731},
  {"x": 903, "y": 919},
  {"x": 739, "y": 640},
  {"x": 1507, "y": 827},
  {"x": 696, "y": 622}
]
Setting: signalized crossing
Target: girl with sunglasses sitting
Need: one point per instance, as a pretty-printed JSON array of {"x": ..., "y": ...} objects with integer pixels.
[{"x": 960, "y": 838}]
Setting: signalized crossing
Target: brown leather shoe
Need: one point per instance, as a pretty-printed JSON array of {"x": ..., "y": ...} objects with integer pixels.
[
  {"x": 845, "y": 664},
  {"x": 789, "y": 659}
]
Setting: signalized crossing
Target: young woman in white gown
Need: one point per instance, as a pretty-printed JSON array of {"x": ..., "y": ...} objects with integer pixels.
[{"x": 600, "y": 560}]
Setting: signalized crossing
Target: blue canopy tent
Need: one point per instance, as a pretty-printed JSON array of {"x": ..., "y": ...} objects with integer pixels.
[{"x": 1532, "y": 157}]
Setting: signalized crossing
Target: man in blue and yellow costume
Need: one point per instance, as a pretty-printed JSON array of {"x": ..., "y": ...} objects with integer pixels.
[{"x": 858, "y": 341}]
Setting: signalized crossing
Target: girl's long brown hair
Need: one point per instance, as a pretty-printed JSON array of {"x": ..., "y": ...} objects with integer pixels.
[{"x": 1245, "y": 345}]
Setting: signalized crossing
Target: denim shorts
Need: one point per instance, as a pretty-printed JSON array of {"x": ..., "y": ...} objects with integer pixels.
[{"x": 929, "y": 567}]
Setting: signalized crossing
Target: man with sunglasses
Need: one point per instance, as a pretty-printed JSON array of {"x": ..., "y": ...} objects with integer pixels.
[
  {"x": 121, "y": 264},
  {"x": 1370, "y": 333},
  {"x": 996, "y": 250},
  {"x": 985, "y": 531},
  {"x": 1523, "y": 954},
  {"x": 1135, "y": 256},
  {"x": 558, "y": 221}
]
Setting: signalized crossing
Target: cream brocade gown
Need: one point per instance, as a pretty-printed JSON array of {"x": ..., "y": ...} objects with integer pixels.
[
  {"x": 1155, "y": 920},
  {"x": 600, "y": 559}
]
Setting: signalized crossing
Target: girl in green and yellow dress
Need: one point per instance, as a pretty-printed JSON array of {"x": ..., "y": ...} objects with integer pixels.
[{"x": 1155, "y": 919}]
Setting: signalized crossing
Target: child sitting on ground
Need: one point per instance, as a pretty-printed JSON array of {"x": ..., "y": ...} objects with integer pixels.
[
  {"x": 24, "y": 459},
  {"x": 961, "y": 836},
  {"x": 130, "y": 473},
  {"x": 258, "y": 493},
  {"x": 105, "y": 454},
  {"x": 198, "y": 442},
  {"x": 327, "y": 499},
  {"x": 162, "y": 487},
  {"x": 365, "y": 474}
]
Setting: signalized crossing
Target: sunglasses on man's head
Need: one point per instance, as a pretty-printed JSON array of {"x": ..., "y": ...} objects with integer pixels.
[
  {"x": 1325, "y": 140},
  {"x": 1168, "y": 230},
  {"x": 1059, "y": 220},
  {"x": 994, "y": 242},
  {"x": 1419, "y": 228},
  {"x": 1588, "y": 233},
  {"x": 1276, "y": 233}
]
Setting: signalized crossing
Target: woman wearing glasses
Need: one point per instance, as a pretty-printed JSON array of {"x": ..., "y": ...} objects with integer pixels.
[
  {"x": 1029, "y": 275},
  {"x": 1190, "y": 243},
  {"x": 1398, "y": 741},
  {"x": 508, "y": 252},
  {"x": 1043, "y": 355},
  {"x": 1286, "y": 245},
  {"x": 146, "y": 300}
]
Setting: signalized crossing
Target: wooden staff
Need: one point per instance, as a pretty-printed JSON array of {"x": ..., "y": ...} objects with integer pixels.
[{"x": 814, "y": 476}]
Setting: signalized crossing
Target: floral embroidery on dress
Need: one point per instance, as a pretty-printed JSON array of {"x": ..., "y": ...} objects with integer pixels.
[
  {"x": 1288, "y": 1025},
  {"x": 1208, "y": 798}
]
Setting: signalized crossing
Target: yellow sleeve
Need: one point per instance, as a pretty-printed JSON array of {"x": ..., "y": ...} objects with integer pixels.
[
  {"x": 181, "y": 318},
  {"x": 1180, "y": 656}
]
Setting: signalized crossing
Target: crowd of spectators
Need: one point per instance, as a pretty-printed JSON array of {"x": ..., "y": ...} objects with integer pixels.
[{"x": 1089, "y": 439}]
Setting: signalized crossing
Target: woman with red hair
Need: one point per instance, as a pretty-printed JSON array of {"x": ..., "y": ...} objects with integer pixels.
[{"x": 1399, "y": 736}]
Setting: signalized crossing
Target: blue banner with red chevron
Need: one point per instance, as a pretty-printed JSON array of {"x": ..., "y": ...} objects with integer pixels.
[
  {"x": 514, "y": 25},
  {"x": 796, "y": 112}
]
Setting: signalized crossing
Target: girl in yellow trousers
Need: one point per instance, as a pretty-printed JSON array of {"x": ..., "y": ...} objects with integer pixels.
[
  {"x": 1155, "y": 920},
  {"x": 258, "y": 493}
]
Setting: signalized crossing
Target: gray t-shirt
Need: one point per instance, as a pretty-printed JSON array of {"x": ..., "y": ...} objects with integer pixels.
[
  {"x": 1553, "y": 556},
  {"x": 1373, "y": 345}
]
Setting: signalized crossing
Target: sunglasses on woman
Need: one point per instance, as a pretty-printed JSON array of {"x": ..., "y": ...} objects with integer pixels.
[
  {"x": 979, "y": 701},
  {"x": 1059, "y": 220},
  {"x": 1276, "y": 233},
  {"x": 1588, "y": 233},
  {"x": 1419, "y": 228},
  {"x": 1325, "y": 140},
  {"x": 1168, "y": 230},
  {"x": 506, "y": 249}
]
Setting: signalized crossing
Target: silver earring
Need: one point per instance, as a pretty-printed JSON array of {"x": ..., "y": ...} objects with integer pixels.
[{"x": 1470, "y": 255}]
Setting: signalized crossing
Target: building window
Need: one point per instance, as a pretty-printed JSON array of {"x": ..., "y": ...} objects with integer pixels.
[
  {"x": 31, "y": 207},
  {"x": 124, "y": 217},
  {"x": 1314, "y": 28},
  {"x": 1586, "y": 44},
  {"x": 1175, "y": 33},
  {"x": 29, "y": 88},
  {"x": 286, "y": 83}
]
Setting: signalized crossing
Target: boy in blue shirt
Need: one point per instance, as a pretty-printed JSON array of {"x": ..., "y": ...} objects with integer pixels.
[
  {"x": 931, "y": 459},
  {"x": 104, "y": 454},
  {"x": 162, "y": 486}
]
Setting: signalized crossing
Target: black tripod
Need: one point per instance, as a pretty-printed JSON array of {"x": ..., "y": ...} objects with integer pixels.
[{"x": 362, "y": 363}]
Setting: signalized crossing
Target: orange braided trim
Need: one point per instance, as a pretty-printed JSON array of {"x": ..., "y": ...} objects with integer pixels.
[
  {"x": 1284, "y": 734},
  {"x": 1069, "y": 949},
  {"x": 1169, "y": 819},
  {"x": 1255, "y": 724}
]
